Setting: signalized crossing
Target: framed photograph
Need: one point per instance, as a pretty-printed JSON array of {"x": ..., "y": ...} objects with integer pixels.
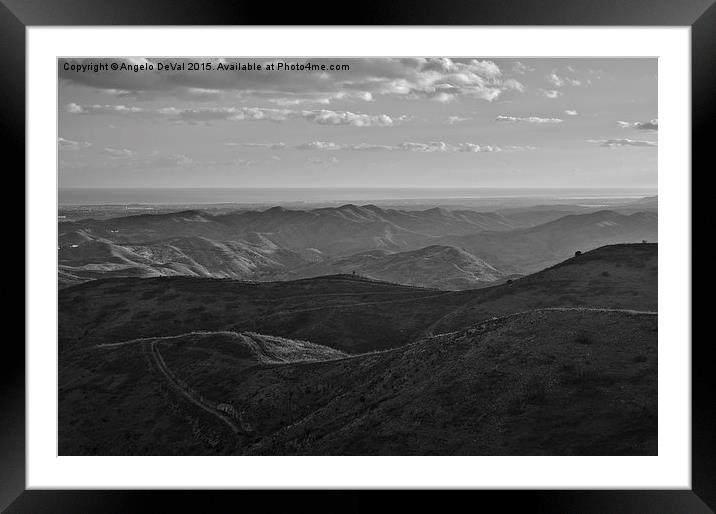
[{"x": 280, "y": 251}]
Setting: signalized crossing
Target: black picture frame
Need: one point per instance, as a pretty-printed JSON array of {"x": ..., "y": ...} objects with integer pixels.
[{"x": 17, "y": 15}]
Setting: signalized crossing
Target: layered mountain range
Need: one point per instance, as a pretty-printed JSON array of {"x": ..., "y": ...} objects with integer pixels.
[{"x": 434, "y": 248}]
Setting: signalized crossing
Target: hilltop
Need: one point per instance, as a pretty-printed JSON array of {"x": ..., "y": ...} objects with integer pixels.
[{"x": 616, "y": 276}]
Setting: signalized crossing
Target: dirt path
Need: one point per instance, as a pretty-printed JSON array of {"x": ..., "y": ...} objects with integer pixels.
[{"x": 189, "y": 393}]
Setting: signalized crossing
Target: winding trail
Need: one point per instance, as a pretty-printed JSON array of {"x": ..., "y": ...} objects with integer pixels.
[
  {"x": 179, "y": 387},
  {"x": 188, "y": 393},
  {"x": 195, "y": 398}
]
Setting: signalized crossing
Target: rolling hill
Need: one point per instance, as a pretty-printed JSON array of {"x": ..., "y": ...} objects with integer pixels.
[
  {"x": 352, "y": 314},
  {"x": 193, "y": 256},
  {"x": 439, "y": 267},
  {"x": 615, "y": 276},
  {"x": 560, "y": 381},
  {"x": 531, "y": 249},
  {"x": 252, "y": 245}
]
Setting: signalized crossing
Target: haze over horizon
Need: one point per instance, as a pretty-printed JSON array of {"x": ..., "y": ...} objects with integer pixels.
[{"x": 386, "y": 123}]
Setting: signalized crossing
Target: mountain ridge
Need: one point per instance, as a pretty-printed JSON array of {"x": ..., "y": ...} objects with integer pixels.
[{"x": 263, "y": 245}]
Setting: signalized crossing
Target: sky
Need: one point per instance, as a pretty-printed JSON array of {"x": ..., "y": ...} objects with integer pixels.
[{"x": 407, "y": 122}]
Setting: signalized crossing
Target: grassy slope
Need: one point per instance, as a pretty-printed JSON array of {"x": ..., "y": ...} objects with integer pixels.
[
  {"x": 115, "y": 400},
  {"x": 342, "y": 312},
  {"x": 440, "y": 267},
  {"x": 347, "y": 313},
  {"x": 532, "y": 249},
  {"x": 615, "y": 276},
  {"x": 543, "y": 382}
]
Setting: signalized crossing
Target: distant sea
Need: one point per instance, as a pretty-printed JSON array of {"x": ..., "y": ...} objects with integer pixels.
[{"x": 198, "y": 196}]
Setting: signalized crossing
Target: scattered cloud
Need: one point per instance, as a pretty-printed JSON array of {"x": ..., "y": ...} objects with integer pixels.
[
  {"x": 266, "y": 146},
  {"x": 433, "y": 146},
  {"x": 123, "y": 110},
  {"x": 326, "y": 117},
  {"x": 554, "y": 79},
  {"x": 550, "y": 93},
  {"x": 521, "y": 68},
  {"x": 452, "y": 120},
  {"x": 298, "y": 99},
  {"x": 68, "y": 144},
  {"x": 320, "y": 145},
  {"x": 527, "y": 119},
  {"x": 515, "y": 85},
  {"x": 439, "y": 79},
  {"x": 571, "y": 112},
  {"x": 641, "y": 125},
  {"x": 118, "y": 152},
  {"x": 214, "y": 114},
  {"x": 558, "y": 81},
  {"x": 615, "y": 143}
]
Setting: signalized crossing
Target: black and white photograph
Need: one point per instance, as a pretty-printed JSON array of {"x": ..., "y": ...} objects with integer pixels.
[{"x": 357, "y": 256}]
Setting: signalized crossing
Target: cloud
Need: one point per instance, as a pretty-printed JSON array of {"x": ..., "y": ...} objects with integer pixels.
[
  {"x": 118, "y": 152},
  {"x": 439, "y": 79},
  {"x": 326, "y": 117},
  {"x": 473, "y": 148},
  {"x": 615, "y": 143},
  {"x": 319, "y": 145},
  {"x": 118, "y": 110},
  {"x": 432, "y": 146},
  {"x": 571, "y": 112},
  {"x": 520, "y": 68},
  {"x": 551, "y": 93},
  {"x": 452, "y": 120},
  {"x": 370, "y": 147},
  {"x": 294, "y": 101},
  {"x": 554, "y": 79},
  {"x": 298, "y": 99},
  {"x": 640, "y": 125},
  {"x": 202, "y": 93},
  {"x": 68, "y": 144},
  {"x": 514, "y": 85},
  {"x": 558, "y": 81},
  {"x": 213, "y": 114},
  {"x": 528, "y": 119},
  {"x": 266, "y": 146}
]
